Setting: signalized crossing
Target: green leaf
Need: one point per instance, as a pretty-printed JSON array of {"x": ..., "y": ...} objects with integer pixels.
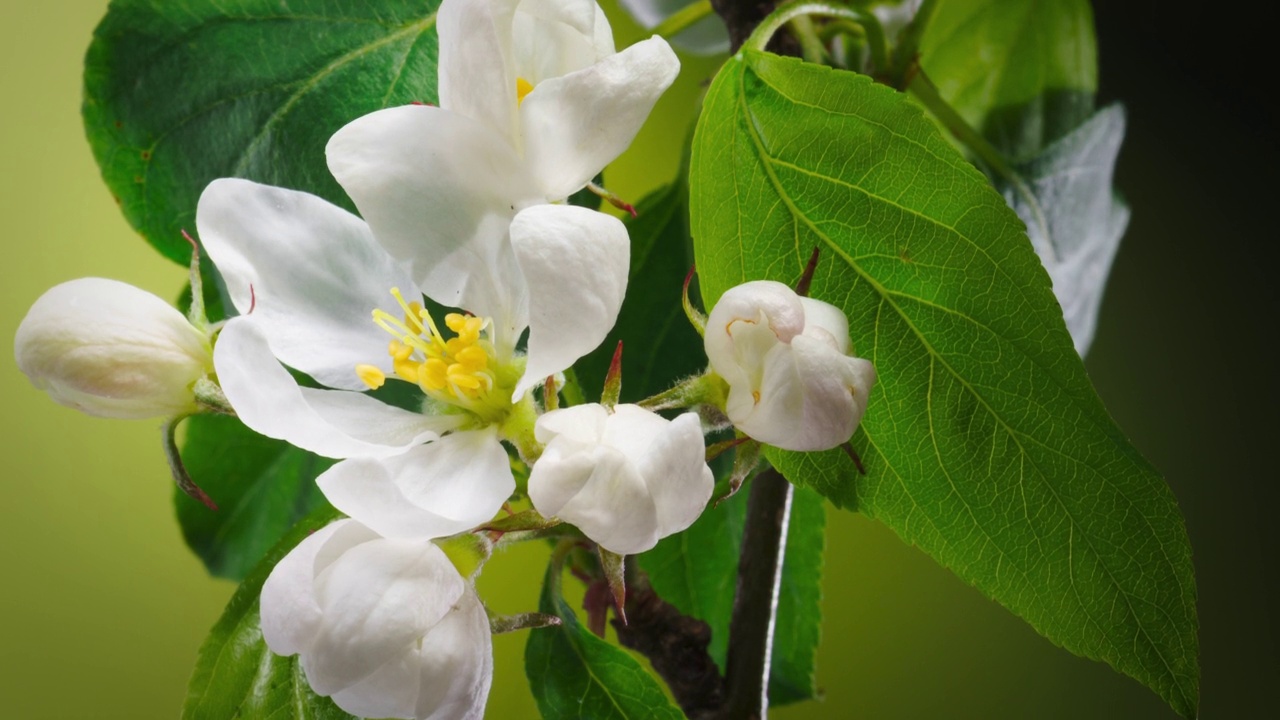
[
  {"x": 1074, "y": 218},
  {"x": 659, "y": 345},
  {"x": 1022, "y": 73},
  {"x": 697, "y": 570},
  {"x": 179, "y": 93},
  {"x": 985, "y": 443},
  {"x": 575, "y": 675},
  {"x": 262, "y": 487},
  {"x": 236, "y": 676}
]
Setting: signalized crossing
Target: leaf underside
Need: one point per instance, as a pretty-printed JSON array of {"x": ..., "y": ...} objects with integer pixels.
[{"x": 985, "y": 443}]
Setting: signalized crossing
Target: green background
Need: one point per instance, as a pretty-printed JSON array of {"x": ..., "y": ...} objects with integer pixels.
[{"x": 102, "y": 607}]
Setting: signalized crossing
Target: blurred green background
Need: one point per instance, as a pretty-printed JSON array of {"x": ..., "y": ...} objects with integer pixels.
[{"x": 103, "y": 608}]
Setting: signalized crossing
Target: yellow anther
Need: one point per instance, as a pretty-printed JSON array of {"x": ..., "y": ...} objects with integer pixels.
[
  {"x": 371, "y": 376},
  {"x": 399, "y": 351},
  {"x": 523, "y": 88},
  {"x": 460, "y": 376},
  {"x": 407, "y": 370},
  {"x": 435, "y": 374},
  {"x": 473, "y": 358},
  {"x": 755, "y": 395}
]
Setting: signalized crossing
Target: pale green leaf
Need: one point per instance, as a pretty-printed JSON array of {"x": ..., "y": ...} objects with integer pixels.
[
  {"x": 985, "y": 443},
  {"x": 1074, "y": 218}
]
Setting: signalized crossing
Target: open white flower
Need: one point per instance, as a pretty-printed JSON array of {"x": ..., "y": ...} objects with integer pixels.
[
  {"x": 311, "y": 281},
  {"x": 109, "y": 349},
  {"x": 792, "y": 383},
  {"x": 626, "y": 478},
  {"x": 534, "y": 102},
  {"x": 386, "y": 627}
]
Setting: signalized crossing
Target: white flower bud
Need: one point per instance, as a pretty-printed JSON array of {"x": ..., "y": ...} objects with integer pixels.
[
  {"x": 385, "y": 626},
  {"x": 110, "y": 349},
  {"x": 791, "y": 381},
  {"x": 626, "y": 478}
]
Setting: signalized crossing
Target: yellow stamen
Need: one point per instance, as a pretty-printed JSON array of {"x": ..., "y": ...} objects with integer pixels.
[
  {"x": 455, "y": 370},
  {"x": 371, "y": 376},
  {"x": 523, "y": 88}
]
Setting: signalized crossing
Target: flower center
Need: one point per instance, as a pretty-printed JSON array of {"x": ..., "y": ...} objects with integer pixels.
[
  {"x": 455, "y": 370},
  {"x": 523, "y": 88}
]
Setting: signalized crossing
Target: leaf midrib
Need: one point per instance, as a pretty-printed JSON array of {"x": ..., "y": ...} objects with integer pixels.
[{"x": 766, "y": 160}]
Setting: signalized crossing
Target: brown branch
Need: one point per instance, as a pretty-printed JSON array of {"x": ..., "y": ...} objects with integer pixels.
[
  {"x": 742, "y": 16},
  {"x": 676, "y": 645}
]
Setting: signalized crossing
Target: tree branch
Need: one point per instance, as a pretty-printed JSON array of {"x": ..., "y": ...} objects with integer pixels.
[
  {"x": 755, "y": 603},
  {"x": 676, "y": 645},
  {"x": 742, "y": 16}
]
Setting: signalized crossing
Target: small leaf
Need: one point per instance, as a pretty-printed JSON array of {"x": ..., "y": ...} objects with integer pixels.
[
  {"x": 615, "y": 571},
  {"x": 575, "y": 675},
  {"x": 1023, "y": 74},
  {"x": 262, "y": 487},
  {"x": 662, "y": 347},
  {"x": 236, "y": 675},
  {"x": 984, "y": 442},
  {"x": 696, "y": 571},
  {"x": 177, "y": 94},
  {"x": 1077, "y": 220}
]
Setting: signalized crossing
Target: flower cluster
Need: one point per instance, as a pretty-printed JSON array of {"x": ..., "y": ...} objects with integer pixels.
[{"x": 467, "y": 279}]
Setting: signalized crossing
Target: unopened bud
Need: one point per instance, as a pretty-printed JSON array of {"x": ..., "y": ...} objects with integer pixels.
[{"x": 109, "y": 349}]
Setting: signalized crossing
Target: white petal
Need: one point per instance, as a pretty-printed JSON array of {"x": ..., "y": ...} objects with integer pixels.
[
  {"x": 812, "y": 398},
  {"x": 377, "y": 598},
  {"x": 675, "y": 470},
  {"x": 434, "y": 490},
  {"x": 607, "y": 499},
  {"x": 310, "y": 270},
  {"x": 556, "y": 37},
  {"x": 332, "y": 423},
  {"x": 772, "y": 303},
  {"x": 826, "y": 321},
  {"x": 575, "y": 262},
  {"x": 633, "y": 430},
  {"x": 391, "y": 691},
  {"x": 477, "y": 79},
  {"x": 110, "y": 349},
  {"x": 439, "y": 191},
  {"x": 580, "y": 423},
  {"x": 290, "y": 615},
  {"x": 576, "y": 124},
  {"x": 456, "y": 664}
]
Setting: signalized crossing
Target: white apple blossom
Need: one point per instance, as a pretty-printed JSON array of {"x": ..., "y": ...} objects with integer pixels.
[
  {"x": 310, "y": 281},
  {"x": 109, "y": 349},
  {"x": 534, "y": 102},
  {"x": 627, "y": 477},
  {"x": 386, "y": 627},
  {"x": 792, "y": 383}
]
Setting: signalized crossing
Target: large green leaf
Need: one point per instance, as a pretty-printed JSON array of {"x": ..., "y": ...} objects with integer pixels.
[
  {"x": 697, "y": 570},
  {"x": 575, "y": 675},
  {"x": 262, "y": 487},
  {"x": 236, "y": 676},
  {"x": 985, "y": 443},
  {"x": 180, "y": 92},
  {"x": 660, "y": 346},
  {"x": 1024, "y": 73}
]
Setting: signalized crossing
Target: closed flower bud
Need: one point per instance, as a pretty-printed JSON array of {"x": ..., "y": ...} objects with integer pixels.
[
  {"x": 626, "y": 478},
  {"x": 110, "y": 349},
  {"x": 792, "y": 383},
  {"x": 386, "y": 627}
]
